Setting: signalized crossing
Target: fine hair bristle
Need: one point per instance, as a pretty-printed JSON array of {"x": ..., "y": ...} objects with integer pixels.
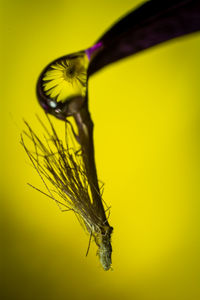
[{"x": 64, "y": 176}]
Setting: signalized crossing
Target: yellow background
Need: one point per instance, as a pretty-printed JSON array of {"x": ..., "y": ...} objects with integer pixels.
[{"x": 147, "y": 139}]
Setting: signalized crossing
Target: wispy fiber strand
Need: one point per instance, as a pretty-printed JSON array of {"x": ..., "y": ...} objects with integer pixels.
[{"x": 62, "y": 167}]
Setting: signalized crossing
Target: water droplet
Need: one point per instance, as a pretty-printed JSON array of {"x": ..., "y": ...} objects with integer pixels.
[
  {"x": 62, "y": 86},
  {"x": 62, "y": 82}
]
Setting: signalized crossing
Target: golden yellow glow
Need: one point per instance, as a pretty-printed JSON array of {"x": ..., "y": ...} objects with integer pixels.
[{"x": 146, "y": 111}]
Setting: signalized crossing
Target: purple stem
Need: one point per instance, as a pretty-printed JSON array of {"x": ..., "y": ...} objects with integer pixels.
[{"x": 152, "y": 23}]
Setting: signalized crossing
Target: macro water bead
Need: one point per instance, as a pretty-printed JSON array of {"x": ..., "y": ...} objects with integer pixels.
[{"x": 62, "y": 86}]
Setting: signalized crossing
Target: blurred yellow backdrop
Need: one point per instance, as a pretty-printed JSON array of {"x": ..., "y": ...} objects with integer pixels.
[{"x": 146, "y": 111}]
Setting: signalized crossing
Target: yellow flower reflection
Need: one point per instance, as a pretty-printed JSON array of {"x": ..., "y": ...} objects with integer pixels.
[{"x": 66, "y": 78}]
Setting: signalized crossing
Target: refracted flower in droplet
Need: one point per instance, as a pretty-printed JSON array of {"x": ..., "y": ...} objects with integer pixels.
[{"x": 66, "y": 78}]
